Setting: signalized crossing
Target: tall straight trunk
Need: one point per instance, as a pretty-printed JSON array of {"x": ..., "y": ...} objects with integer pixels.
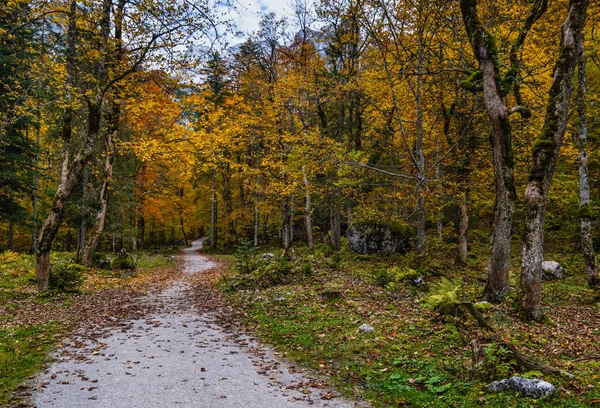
[
  {"x": 255, "y": 225},
  {"x": 545, "y": 155},
  {"x": 11, "y": 235},
  {"x": 141, "y": 227},
  {"x": 463, "y": 228},
  {"x": 96, "y": 233},
  {"x": 438, "y": 177},
  {"x": 308, "y": 211},
  {"x": 591, "y": 263},
  {"x": 213, "y": 213},
  {"x": 336, "y": 224},
  {"x": 183, "y": 230},
  {"x": 83, "y": 225},
  {"x": 227, "y": 199},
  {"x": 286, "y": 221},
  {"x": 420, "y": 157}
]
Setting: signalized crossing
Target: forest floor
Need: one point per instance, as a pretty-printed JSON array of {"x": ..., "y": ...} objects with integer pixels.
[
  {"x": 168, "y": 337},
  {"x": 311, "y": 306},
  {"x": 169, "y": 340}
]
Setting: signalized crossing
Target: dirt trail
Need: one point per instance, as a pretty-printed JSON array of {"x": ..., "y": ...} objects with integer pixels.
[{"x": 176, "y": 357}]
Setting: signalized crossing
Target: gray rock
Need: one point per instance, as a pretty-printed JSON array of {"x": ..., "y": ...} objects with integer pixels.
[
  {"x": 552, "y": 270},
  {"x": 377, "y": 239},
  {"x": 418, "y": 281},
  {"x": 528, "y": 387},
  {"x": 365, "y": 328},
  {"x": 268, "y": 256}
]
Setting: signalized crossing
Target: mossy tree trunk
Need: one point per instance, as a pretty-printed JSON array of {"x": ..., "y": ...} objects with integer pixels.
[
  {"x": 495, "y": 88},
  {"x": 591, "y": 263},
  {"x": 545, "y": 156}
]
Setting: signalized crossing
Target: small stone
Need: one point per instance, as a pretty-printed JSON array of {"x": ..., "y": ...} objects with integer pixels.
[
  {"x": 268, "y": 256},
  {"x": 365, "y": 328},
  {"x": 528, "y": 387},
  {"x": 552, "y": 270}
]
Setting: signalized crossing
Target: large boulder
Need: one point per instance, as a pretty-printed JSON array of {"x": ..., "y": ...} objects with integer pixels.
[
  {"x": 528, "y": 387},
  {"x": 378, "y": 239},
  {"x": 552, "y": 270}
]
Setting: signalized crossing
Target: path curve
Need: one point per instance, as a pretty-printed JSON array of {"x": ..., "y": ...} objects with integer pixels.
[{"x": 175, "y": 358}]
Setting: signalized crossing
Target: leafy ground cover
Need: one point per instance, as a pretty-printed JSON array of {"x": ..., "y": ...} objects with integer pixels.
[
  {"x": 31, "y": 325},
  {"x": 311, "y": 311}
]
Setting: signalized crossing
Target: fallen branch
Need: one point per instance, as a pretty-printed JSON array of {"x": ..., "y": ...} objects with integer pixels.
[
  {"x": 586, "y": 358},
  {"x": 525, "y": 363}
]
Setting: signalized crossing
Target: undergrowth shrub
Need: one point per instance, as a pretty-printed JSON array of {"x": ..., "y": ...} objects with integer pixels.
[
  {"x": 498, "y": 363},
  {"x": 444, "y": 295},
  {"x": 245, "y": 257},
  {"x": 66, "y": 276},
  {"x": 124, "y": 261},
  {"x": 389, "y": 278}
]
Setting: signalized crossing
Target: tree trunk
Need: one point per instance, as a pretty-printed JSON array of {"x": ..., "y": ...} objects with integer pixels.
[
  {"x": 96, "y": 233},
  {"x": 285, "y": 222},
  {"x": 545, "y": 156},
  {"x": 213, "y": 213},
  {"x": 591, "y": 263},
  {"x": 463, "y": 228},
  {"x": 497, "y": 285},
  {"x": 256, "y": 224},
  {"x": 11, "y": 235},
  {"x": 83, "y": 225},
  {"x": 420, "y": 157},
  {"x": 308, "y": 212},
  {"x": 336, "y": 219},
  {"x": 183, "y": 230}
]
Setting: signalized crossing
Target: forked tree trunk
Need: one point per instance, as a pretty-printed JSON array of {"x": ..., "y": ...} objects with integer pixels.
[
  {"x": 497, "y": 284},
  {"x": 591, "y": 263},
  {"x": 545, "y": 156},
  {"x": 308, "y": 212}
]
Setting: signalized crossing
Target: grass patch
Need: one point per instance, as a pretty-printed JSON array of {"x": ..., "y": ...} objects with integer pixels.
[
  {"x": 22, "y": 354},
  {"x": 413, "y": 358}
]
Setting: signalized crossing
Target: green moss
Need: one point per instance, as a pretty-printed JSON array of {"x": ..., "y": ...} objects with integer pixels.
[
  {"x": 507, "y": 81},
  {"x": 471, "y": 84}
]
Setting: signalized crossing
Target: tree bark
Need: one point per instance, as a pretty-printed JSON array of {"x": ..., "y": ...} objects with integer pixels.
[
  {"x": 463, "y": 228},
  {"x": 308, "y": 212},
  {"x": 92, "y": 241},
  {"x": 591, "y": 263},
  {"x": 213, "y": 213},
  {"x": 420, "y": 157},
  {"x": 545, "y": 155},
  {"x": 497, "y": 285},
  {"x": 336, "y": 219}
]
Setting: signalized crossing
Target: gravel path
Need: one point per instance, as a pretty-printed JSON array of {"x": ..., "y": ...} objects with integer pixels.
[{"x": 175, "y": 358}]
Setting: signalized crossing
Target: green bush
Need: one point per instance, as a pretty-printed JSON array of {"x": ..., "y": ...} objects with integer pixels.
[
  {"x": 307, "y": 268},
  {"x": 273, "y": 272},
  {"x": 335, "y": 260},
  {"x": 123, "y": 261},
  {"x": 66, "y": 276}
]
